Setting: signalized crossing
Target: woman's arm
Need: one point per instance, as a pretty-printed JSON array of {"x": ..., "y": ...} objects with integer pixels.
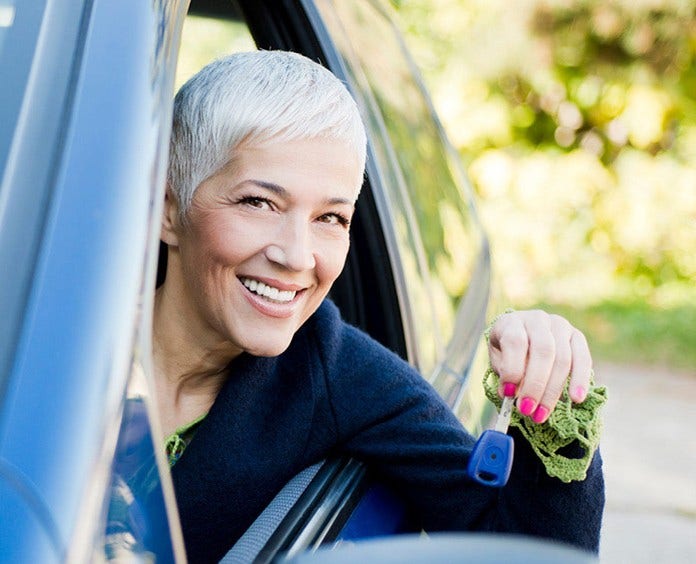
[{"x": 389, "y": 417}]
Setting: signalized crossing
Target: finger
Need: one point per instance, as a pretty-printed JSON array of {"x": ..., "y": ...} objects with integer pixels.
[
  {"x": 542, "y": 351},
  {"x": 557, "y": 380},
  {"x": 581, "y": 367},
  {"x": 507, "y": 390},
  {"x": 508, "y": 346},
  {"x": 561, "y": 333}
]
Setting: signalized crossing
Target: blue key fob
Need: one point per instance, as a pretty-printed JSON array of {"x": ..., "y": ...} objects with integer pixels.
[{"x": 491, "y": 459}]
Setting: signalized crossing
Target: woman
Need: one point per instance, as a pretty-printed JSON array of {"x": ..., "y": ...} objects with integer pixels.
[{"x": 257, "y": 376}]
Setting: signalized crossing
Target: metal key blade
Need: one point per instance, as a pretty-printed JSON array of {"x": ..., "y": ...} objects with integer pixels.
[{"x": 503, "y": 421}]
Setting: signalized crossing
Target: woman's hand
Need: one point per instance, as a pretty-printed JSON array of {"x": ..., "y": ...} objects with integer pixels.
[{"x": 534, "y": 353}]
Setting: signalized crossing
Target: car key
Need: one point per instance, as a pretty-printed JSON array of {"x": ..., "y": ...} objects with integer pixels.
[{"x": 491, "y": 459}]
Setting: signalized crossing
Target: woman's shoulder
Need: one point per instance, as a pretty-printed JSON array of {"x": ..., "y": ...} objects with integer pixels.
[
  {"x": 363, "y": 381},
  {"x": 348, "y": 354},
  {"x": 335, "y": 337}
]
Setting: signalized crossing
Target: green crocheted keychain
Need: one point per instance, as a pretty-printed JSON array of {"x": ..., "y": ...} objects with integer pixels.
[{"x": 569, "y": 422}]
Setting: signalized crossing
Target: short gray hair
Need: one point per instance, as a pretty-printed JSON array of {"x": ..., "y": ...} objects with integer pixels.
[{"x": 255, "y": 97}]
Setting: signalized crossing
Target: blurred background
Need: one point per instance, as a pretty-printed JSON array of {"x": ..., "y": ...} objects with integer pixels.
[{"x": 576, "y": 121}]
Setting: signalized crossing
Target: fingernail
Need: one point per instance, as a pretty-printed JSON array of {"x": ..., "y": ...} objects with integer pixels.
[
  {"x": 509, "y": 389},
  {"x": 527, "y": 406},
  {"x": 579, "y": 394},
  {"x": 540, "y": 414}
]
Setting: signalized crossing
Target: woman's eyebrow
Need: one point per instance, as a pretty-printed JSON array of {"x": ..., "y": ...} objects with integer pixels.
[
  {"x": 275, "y": 188},
  {"x": 339, "y": 201},
  {"x": 282, "y": 192}
]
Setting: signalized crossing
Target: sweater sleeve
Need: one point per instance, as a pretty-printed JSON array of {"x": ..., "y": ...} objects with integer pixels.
[{"x": 387, "y": 416}]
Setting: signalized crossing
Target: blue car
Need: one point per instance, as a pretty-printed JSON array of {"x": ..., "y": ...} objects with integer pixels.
[{"x": 85, "y": 116}]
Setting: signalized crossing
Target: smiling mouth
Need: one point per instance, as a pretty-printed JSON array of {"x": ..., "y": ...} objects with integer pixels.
[{"x": 268, "y": 292}]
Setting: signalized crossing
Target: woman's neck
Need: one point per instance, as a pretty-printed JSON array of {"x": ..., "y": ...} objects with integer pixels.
[{"x": 188, "y": 373}]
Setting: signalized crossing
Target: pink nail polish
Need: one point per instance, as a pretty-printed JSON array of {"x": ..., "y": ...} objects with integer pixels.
[
  {"x": 540, "y": 414},
  {"x": 527, "y": 406},
  {"x": 579, "y": 394},
  {"x": 509, "y": 389}
]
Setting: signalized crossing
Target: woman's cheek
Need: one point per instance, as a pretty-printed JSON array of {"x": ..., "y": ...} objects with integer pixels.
[
  {"x": 335, "y": 258},
  {"x": 232, "y": 241}
]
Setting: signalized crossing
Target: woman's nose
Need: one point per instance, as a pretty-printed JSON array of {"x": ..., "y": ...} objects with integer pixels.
[{"x": 292, "y": 247}]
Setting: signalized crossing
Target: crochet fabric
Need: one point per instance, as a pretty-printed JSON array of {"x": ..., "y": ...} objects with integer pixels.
[{"x": 568, "y": 423}]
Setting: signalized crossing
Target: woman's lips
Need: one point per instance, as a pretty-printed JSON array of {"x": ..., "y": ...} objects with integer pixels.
[
  {"x": 270, "y": 299},
  {"x": 269, "y": 291}
]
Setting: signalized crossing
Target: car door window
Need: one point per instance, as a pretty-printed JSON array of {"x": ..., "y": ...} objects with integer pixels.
[
  {"x": 438, "y": 235},
  {"x": 137, "y": 523}
]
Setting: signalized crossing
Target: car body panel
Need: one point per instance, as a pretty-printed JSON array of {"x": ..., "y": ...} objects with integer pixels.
[
  {"x": 33, "y": 116},
  {"x": 102, "y": 197}
]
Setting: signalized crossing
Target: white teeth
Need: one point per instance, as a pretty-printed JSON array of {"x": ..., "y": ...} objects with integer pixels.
[{"x": 268, "y": 292}]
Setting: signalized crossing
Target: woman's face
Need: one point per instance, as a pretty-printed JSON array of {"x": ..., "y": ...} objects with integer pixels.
[{"x": 265, "y": 239}]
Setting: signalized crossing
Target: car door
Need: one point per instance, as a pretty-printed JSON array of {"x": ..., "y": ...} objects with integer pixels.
[{"x": 85, "y": 108}]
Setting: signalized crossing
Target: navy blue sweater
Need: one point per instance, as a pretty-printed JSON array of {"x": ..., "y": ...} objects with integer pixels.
[{"x": 335, "y": 390}]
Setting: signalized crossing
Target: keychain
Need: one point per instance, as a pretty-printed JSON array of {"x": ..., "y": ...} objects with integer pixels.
[{"x": 491, "y": 460}]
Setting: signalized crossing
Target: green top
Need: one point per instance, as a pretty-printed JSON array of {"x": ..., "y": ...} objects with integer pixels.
[{"x": 175, "y": 443}]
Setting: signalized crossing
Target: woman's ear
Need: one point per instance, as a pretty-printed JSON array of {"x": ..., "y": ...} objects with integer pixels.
[{"x": 170, "y": 220}]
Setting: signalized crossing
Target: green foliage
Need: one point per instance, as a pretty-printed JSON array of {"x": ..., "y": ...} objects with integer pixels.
[
  {"x": 577, "y": 121},
  {"x": 635, "y": 332},
  {"x": 599, "y": 53}
]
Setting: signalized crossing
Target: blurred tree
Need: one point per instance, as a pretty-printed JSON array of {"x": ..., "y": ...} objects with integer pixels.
[{"x": 577, "y": 121}]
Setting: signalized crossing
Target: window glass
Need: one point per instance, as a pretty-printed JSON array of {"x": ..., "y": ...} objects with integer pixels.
[
  {"x": 137, "y": 527},
  {"x": 437, "y": 199}
]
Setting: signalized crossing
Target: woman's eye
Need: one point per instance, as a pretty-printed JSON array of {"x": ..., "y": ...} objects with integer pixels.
[
  {"x": 335, "y": 219},
  {"x": 256, "y": 202}
]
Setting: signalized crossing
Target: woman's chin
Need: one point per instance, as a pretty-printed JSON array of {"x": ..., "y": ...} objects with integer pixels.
[{"x": 268, "y": 349}]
